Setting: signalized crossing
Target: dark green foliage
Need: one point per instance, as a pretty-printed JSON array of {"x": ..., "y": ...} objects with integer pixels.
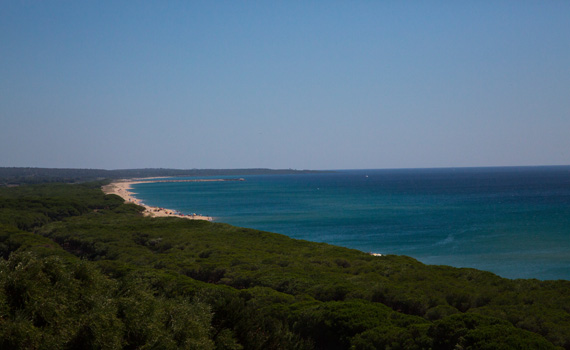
[
  {"x": 158, "y": 322},
  {"x": 333, "y": 325},
  {"x": 48, "y": 304},
  {"x": 470, "y": 331},
  {"x": 393, "y": 337},
  {"x": 28, "y": 207},
  {"x": 251, "y": 317},
  {"x": 175, "y": 283}
]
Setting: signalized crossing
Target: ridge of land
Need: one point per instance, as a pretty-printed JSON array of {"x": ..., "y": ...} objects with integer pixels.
[{"x": 22, "y": 175}]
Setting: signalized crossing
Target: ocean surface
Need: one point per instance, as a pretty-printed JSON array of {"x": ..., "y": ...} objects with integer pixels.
[{"x": 513, "y": 221}]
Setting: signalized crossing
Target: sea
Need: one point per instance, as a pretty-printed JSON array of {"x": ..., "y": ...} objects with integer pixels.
[{"x": 512, "y": 221}]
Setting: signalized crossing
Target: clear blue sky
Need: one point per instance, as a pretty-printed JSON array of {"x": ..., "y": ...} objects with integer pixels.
[{"x": 284, "y": 84}]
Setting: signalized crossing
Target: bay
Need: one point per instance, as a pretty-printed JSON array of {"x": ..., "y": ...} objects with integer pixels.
[{"x": 513, "y": 221}]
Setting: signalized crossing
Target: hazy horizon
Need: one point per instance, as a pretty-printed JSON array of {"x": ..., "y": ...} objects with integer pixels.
[
  {"x": 309, "y": 169},
  {"x": 322, "y": 86}
]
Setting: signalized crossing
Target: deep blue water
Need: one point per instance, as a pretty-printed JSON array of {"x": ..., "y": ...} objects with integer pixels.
[{"x": 514, "y": 222}]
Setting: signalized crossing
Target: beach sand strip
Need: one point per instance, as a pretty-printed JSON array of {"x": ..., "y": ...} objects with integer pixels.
[{"x": 122, "y": 188}]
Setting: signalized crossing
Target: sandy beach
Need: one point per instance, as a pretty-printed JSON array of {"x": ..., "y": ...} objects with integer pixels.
[{"x": 122, "y": 188}]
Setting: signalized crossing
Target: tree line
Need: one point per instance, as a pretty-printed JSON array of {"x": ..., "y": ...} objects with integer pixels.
[
  {"x": 81, "y": 267},
  {"x": 17, "y": 175}
]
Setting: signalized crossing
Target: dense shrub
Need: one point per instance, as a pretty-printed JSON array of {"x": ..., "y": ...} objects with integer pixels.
[{"x": 79, "y": 267}]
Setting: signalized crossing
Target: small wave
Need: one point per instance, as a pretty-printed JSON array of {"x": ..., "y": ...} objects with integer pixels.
[{"x": 449, "y": 239}]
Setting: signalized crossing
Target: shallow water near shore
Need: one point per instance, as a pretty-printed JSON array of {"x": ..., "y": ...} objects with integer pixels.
[{"x": 514, "y": 222}]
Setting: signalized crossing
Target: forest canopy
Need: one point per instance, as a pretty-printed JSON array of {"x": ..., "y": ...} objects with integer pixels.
[{"x": 79, "y": 267}]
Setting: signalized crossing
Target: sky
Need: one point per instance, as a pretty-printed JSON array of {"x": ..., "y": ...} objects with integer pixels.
[{"x": 284, "y": 84}]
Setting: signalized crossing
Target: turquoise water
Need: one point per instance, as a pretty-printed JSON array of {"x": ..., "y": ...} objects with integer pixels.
[{"x": 514, "y": 222}]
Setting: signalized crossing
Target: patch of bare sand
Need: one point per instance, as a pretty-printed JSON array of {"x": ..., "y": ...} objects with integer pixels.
[{"x": 122, "y": 189}]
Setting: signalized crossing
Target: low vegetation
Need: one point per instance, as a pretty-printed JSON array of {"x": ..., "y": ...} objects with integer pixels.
[{"x": 81, "y": 267}]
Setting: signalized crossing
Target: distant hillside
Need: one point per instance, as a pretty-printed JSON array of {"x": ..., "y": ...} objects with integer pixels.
[{"x": 18, "y": 176}]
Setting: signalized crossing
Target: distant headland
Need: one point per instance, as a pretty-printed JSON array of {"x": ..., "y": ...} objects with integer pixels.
[{"x": 21, "y": 175}]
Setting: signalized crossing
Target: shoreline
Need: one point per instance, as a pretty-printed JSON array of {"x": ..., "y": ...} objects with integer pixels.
[{"x": 122, "y": 188}]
